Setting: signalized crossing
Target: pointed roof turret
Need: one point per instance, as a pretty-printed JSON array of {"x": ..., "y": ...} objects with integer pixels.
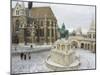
[{"x": 92, "y": 26}]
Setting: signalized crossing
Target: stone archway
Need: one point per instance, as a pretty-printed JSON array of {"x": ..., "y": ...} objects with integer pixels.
[
  {"x": 21, "y": 56},
  {"x": 74, "y": 44},
  {"x": 82, "y": 45}
]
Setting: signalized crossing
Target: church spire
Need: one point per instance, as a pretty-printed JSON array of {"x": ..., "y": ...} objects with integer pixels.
[
  {"x": 92, "y": 26},
  {"x": 23, "y": 9},
  {"x": 29, "y": 5},
  {"x": 23, "y": 6}
]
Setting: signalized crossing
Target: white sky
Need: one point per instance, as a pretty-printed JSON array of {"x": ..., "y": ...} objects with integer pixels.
[{"x": 73, "y": 16}]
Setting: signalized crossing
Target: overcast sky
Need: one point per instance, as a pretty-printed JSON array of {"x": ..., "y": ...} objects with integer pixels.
[{"x": 73, "y": 16}]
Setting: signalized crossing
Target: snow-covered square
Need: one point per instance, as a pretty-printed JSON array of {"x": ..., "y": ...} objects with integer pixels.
[{"x": 37, "y": 62}]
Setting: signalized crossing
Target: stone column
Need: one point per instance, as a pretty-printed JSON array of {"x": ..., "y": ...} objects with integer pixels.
[
  {"x": 79, "y": 44},
  {"x": 90, "y": 46},
  {"x": 21, "y": 37},
  {"x": 50, "y": 32},
  {"x": 45, "y": 29},
  {"x": 33, "y": 35},
  {"x": 56, "y": 33},
  {"x": 93, "y": 47},
  {"x": 54, "y": 29}
]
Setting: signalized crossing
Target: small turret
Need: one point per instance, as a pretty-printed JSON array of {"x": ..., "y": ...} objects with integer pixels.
[{"x": 78, "y": 31}]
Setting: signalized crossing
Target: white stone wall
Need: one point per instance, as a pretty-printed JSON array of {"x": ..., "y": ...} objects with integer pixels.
[{"x": 62, "y": 58}]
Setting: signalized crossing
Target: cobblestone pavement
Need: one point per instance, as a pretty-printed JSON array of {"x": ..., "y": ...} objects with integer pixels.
[{"x": 37, "y": 62}]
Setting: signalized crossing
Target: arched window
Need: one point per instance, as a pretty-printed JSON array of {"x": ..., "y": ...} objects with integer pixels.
[
  {"x": 17, "y": 12},
  {"x": 24, "y": 56},
  {"x": 82, "y": 45},
  {"x": 17, "y": 25},
  {"x": 88, "y": 46},
  {"x": 22, "y": 12},
  {"x": 21, "y": 56},
  {"x": 74, "y": 44},
  {"x": 29, "y": 56}
]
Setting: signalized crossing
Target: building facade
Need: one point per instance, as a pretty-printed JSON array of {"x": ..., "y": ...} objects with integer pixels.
[
  {"x": 33, "y": 25},
  {"x": 87, "y": 42}
]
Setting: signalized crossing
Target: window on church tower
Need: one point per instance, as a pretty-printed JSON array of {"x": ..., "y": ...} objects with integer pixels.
[
  {"x": 17, "y": 12},
  {"x": 41, "y": 32},
  {"x": 17, "y": 25},
  {"x": 22, "y": 12}
]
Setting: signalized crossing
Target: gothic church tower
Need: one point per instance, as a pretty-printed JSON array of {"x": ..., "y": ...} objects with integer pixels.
[{"x": 19, "y": 22}]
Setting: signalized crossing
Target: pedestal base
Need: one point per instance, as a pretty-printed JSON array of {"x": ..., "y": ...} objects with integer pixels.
[{"x": 56, "y": 67}]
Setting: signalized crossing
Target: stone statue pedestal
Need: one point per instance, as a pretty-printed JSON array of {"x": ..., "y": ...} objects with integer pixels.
[{"x": 62, "y": 57}]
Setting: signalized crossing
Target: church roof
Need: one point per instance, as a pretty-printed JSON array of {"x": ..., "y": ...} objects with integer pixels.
[
  {"x": 42, "y": 12},
  {"x": 39, "y": 12}
]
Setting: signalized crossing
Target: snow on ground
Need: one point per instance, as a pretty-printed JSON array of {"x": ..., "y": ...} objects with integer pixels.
[
  {"x": 87, "y": 59},
  {"x": 37, "y": 62}
]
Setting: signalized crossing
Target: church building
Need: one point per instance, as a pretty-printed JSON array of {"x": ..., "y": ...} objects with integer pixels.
[{"x": 33, "y": 24}]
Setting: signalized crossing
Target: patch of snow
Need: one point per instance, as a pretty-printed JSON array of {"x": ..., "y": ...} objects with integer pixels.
[{"x": 37, "y": 62}]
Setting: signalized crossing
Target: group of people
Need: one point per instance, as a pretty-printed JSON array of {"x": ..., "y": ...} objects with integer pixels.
[{"x": 25, "y": 56}]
